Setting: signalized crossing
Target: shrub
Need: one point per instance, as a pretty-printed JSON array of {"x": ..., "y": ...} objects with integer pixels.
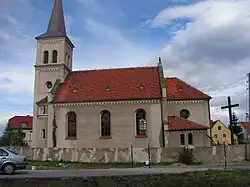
[{"x": 186, "y": 156}]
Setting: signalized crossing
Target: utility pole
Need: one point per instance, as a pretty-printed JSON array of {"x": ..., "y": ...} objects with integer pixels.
[{"x": 230, "y": 106}]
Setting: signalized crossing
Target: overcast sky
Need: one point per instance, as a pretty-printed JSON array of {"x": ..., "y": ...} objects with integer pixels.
[{"x": 205, "y": 43}]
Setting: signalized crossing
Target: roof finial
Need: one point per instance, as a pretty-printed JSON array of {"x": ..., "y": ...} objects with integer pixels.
[
  {"x": 56, "y": 25},
  {"x": 159, "y": 62}
]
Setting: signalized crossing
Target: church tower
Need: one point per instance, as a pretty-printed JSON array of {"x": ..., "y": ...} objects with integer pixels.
[{"x": 53, "y": 62}]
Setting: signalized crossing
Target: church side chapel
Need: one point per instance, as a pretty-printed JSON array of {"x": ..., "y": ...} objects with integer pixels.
[{"x": 110, "y": 108}]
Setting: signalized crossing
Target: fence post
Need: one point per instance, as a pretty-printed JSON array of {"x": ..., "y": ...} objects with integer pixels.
[
  {"x": 225, "y": 155},
  {"x": 149, "y": 156},
  {"x": 246, "y": 152},
  {"x": 132, "y": 155}
]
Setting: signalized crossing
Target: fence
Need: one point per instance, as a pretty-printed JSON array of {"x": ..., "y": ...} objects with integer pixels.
[{"x": 207, "y": 155}]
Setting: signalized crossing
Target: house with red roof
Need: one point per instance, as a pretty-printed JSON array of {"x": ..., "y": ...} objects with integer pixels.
[
  {"x": 110, "y": 108},
  {"x": 23, "y": 122},
  {"x": 245, "y": 126}
]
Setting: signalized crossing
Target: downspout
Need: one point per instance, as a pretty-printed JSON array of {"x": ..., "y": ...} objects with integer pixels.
[
  {"x": 163, "y": 100},
  {"x": 210, "y": 125}
]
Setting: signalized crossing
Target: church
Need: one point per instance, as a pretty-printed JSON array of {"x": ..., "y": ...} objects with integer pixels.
[{"x": 110, "y": 108}]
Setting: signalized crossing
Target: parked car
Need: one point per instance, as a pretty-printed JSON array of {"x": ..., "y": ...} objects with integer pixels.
[{"x": 11, "y": 161}]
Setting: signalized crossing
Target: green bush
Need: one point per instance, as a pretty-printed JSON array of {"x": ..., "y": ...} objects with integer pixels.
[{"x": 186, "y": 156}]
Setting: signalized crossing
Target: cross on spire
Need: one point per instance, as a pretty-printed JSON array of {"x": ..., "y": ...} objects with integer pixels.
[{"x": 56, "y": 27}]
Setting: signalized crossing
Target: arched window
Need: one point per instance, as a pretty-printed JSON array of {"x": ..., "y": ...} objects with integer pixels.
[
  {"x": 68, "y": 59},
  {"x": 54, "y": 56},
  {"x": 141, "y": 123},
  {"x": 190, "y": 139},
  {"x": 105, "y": 123},
  {"x": 45, "y": 57},
  {"x": 71, "y": 124},
  {"x": 182, "y": 139}
]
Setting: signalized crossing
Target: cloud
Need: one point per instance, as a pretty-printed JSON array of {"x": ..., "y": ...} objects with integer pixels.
[
  {"x": 17, "y": 51},
  {"x": 211, "y": 51},
  {"x": 110, "y": 48}
]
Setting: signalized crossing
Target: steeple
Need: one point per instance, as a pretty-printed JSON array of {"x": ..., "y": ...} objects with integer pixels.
[{"x": 56, "y": 27}]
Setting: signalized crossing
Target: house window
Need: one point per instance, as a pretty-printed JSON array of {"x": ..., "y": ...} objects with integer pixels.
[
  {"x": 71, "y": 124},
  {"x": 23, "y": 125},
  {"x": 219, "y": 127},
  {"x": 182, "y": 139},
  {"x": 215, "y": 135},
  {"x": 105, "y": 123},
  {"x": 54, "y": 56},
  {"x": 45, "y": 57},
  {"x": 184, "y": 113},
  {"x": 141, "y": 123},
  {"x": 43, "y": 133},
  {"x": 224, "y": 135},
  {"x": 23, "y": 135},
  {"x": 190, "y": 139}
]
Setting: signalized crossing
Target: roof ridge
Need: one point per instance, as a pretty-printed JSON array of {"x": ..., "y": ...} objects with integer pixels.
[{"x": 121, "y": 68}]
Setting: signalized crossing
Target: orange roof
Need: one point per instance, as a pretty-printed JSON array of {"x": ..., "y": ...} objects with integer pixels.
[
  {"x": 180, "y": 90},
  {"x": 122, "y": 84},
  {"x": 110, "y": 84},
  {"x": 176, "y": 123},
  {"x": 16, "y": 121}
]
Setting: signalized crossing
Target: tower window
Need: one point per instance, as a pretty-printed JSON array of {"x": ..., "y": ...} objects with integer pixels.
[
  {"x": 49, "y": 84},
  {"x": 54, "y": 56},
  {"x": 45, "y": 57},
  {"x": 43, "y": 134},
  {"x": 68, "y": 59}
]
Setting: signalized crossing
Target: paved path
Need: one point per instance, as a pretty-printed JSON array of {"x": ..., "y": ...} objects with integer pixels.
[{"x": 111, "y": 172}]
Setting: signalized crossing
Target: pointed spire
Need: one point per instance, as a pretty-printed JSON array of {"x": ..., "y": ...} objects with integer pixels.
[{"x": 56, "y": 25}]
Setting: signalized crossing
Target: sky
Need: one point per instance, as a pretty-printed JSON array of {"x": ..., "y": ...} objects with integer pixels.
[{"x": 205, "y": 43}]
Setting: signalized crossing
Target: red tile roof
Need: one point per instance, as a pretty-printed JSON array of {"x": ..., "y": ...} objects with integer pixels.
[
  {"x": 246, "y": 125},
  {"x": 110, "y": 84},
  {"x": 15, "y": 121},
  {"x": 176, "y": 123},
  {"x": 180, "y": 90},
  {"x": 122, "y": 84}
]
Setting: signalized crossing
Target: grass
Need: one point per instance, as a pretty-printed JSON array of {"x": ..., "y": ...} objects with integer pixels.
[
  {"x": 55, "y": 165},
  {"x": 236, "y": 178},
  {"x": 52, "y": 165}
]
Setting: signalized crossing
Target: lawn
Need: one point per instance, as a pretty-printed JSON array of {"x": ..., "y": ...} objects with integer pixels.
[{"x": 237, "y": 178}]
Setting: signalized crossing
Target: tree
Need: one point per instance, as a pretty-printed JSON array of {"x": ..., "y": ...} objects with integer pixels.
[
  {"x": 237, "y": 128},
  {"x": 12, "y": 137}
]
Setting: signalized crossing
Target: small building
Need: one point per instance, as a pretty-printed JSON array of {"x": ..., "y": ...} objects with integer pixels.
[
  {"x": 25, "y": 123},
  {"x": 245, "y": 126},
  {"x": 221, "y": 133}
]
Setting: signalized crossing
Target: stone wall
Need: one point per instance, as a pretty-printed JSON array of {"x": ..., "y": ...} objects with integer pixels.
[{"x": 206, "y": 155}]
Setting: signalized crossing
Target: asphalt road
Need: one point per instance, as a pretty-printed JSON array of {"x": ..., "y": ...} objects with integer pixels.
[{"x": 24, "y": 174}]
